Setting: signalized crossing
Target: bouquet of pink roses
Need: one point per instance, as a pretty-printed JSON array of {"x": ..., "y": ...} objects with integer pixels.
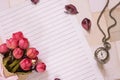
[{"x": 18, "y": 56}]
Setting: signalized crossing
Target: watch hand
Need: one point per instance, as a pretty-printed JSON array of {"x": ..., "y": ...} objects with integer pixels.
[{"x": 102, "y": 54}]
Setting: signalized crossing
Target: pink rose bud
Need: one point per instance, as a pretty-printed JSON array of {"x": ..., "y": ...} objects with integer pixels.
[
  {"x": 3, "y": 48},
  {"x": 40, "y": 67},
  {"x": 18, "y": 35},
  {"x": 32, "y": 53},
  {"x": 26, "y": 64},
  {"x": 18, "y": 53},
  {"x": 23, "y": 43},
  {"x": 12, "y": 43}
]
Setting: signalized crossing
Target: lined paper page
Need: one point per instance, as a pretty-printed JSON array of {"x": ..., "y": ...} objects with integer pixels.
[
  {"x": 57, "y": 36},
  {"x": 4, "y": 4}
]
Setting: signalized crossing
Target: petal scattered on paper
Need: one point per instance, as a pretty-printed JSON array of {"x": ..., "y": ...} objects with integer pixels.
[
  {"x": 56, "y": 79},
  {"x": 71, "y": 9},
  {"x": 35, "y": 1},
  {"x": 86, "y": 24}
]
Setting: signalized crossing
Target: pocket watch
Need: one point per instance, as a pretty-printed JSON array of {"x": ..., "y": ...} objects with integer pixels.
[{"x": 102, "y": 55}]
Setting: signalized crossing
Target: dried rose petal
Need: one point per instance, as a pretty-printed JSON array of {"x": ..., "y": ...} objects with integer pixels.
[
  {"x": 35, "y": 1},
  {"x": 71, "y": 9},
  {"x": 56, "y": 79},
  {"x": 86, "y": 23}
]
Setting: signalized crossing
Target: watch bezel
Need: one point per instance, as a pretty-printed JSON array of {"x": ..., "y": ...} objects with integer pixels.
[{"x": 103, "y": 61}]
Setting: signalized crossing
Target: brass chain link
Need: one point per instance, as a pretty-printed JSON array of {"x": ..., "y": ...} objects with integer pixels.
[{"x": 105, "y": 39}]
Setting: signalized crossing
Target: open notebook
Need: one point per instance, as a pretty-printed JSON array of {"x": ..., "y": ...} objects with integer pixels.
[{"x": 56, "y": 35}]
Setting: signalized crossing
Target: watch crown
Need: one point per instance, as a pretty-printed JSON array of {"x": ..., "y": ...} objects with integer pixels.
[{"x": 107, "y": 45}]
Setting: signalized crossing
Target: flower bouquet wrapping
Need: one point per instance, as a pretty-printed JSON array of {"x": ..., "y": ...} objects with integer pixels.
[{"x": 19, "y": 57}]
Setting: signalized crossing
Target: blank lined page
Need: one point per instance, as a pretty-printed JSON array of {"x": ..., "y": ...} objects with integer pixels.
[{"x": 56, "y": 35}]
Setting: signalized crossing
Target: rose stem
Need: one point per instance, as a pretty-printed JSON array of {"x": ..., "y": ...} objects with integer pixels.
[
  {"x": 5, "y": 60},
  {"x": 15, "y": 68},
  {"x": 14, "y": 63}
]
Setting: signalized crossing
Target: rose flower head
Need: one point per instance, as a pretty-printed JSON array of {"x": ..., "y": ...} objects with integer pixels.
[
  {"x": 18, "y": 53},
  {"x": 32, "y": 53},
  {"x": 23, "y": 43},
  {"x": 40, "y": 67},
  {"x": 12, "y": 43},
  {"x": 18, "y": 35},
  {"x": 3, "y": 48},
  {"x": 26, "y": 64}
]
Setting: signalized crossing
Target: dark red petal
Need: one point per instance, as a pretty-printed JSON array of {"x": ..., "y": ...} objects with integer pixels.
[
  {"x": 35, "y": 1},
  {"x": 71, "y": 9},
  {"x": 56, "y": 79},
  {"x": 86, "y": 24}
]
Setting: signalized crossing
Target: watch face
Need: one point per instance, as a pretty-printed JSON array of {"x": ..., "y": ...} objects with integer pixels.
[{"x": 101, "y": 55}]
